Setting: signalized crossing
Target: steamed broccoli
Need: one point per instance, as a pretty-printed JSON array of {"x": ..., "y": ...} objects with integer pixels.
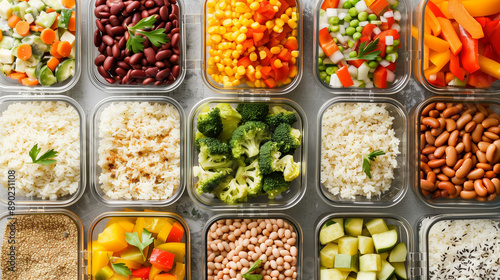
[
  {"x": 268, "y": 157},
  {"x": 247, "y": 138},
  {"x": 290, "y": 169},
  {"x": 230, "y": 191},
  {"x": 253, "y": 111},
  {"x": 274, "y": 184},
  {"x": 287, "y": 137},
  {"x": 214, "y": 154},
  {"x": 278, "y": 115},
  {"x": 230, "y": 120},
  {"x": 210, "y": 122},
  {"x": 251, "y": 177},
  {"x": 207, "y": 180}
]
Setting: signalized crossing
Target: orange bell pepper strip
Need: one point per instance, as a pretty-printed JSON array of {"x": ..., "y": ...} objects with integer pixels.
[
  {"x": 449, "y": 77},
  {"x": 439, "y": 60},
  {"x": 450, "y": 35},
  {"x": 426, "y": 56},
  {"x": 460, "y": 14},
  {"x": 476, "y": 9},
  {"x": 439, "y": 81},
  {"x": 379, "y": 7},
  {"x": 433, "y": 42},
  {"x": 344, "y": 76},
  {"x": 489, "y": 66},
  {"x": 433, "y": 22},
  {"x": 435, "y": 9}
]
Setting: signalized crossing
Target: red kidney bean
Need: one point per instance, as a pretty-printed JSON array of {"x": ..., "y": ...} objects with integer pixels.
[
  {"x": 138, "y": 74},
  {"x": 108, "y": 63},
  {"x": 136, "y": 58},
  {"x": 108, "y": 30},
  {"x": 152, "y": 71},
  {"x": 103, "y": 72},
  {"x": 99, "y": 60},
  {"x": 164, "y": 13},
  {"x": 175, "y": 40},
  {"x": 116, "y": 51},
  {"x": 118, "y": 8},
  {"x": 117, "y": 30},
  {"x": 148, "y": 81},
  {"x": 100, "y": 2},
  {"x": 149, "y": 4},
  {"x": 164, "y": 54},
  {"x": 150, "y": 55},
  {"x": 163, "y": 74},
  {"x": 176, "y": 70},
  {"x": 133, "y": 6},
  {"x": 174, "y": 58},
  {"x": 100, "y": 26},
  {"x": 168, "y": 27},
  {"x": 122, "y": 43},
  {"x": 108, "y": 40},
  {"x": 120, "y": 71},
  {"x": 97, "y": 38}
]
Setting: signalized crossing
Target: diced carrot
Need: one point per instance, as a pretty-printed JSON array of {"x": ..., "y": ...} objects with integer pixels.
[
  {"x": 56, "y": 22},
  {"x": 70, "y": 4},
  {"x": 449, "y": 77},
  {"x": 48, "y": 36},
  {"x": 53, "y": 50},
  {"x": 49, "y": 10},
  {"x": 64, "y": 48},
  {"x": 450, "y": 35},
  {"x": 52, "y": 63},
  {"x": 72, "y": 22},
  {"x": 23, "y": 28},
  {"x": 17, "y": 75},
  {"x": 29, "y": 81},
  {"x": 36, "y": 28},
  {"x": 24, "y": 52},
  {"x": 1, "y": 36},
  {"x": 460, "y": 14},
  {"x": 13, "y": 20}
]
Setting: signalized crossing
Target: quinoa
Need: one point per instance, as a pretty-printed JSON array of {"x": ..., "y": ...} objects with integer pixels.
[{"x": 46, "y": 247}]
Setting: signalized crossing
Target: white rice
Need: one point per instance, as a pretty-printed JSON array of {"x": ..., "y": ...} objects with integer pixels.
[
  {"x": 51, "y": 125},
  {"x": 349, "y": 132},
  {"x": 139, "y": 151},
  {"x": 464, "y": 249}
]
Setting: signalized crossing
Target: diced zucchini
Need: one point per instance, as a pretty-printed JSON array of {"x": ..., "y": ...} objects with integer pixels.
[
  {"x": 400, "y": 270},
  {"x": 365, "y": 275},
  {"x": 327, "y": 255},
  {"x": 46, "y": 77},
  {"x": 6, "y": 56},
  {"x": 348, "y": 245},
  {"x": 390, "y": 227},
  {"x": 398, "y": 254},
  {"x": 6, "y": 69},
  {"x": 384, "y": 255},
  {"x": 37, "y": 4},
  {"x": 30, "y": 72},
  {"x": 386, "y": 271},
  {"x": 64, "y": 19},
  {"x": 370, "y": 262},
  {"x": 65, "y": 70},
  {"x": 7, "y": 42},
  {"x": 393, "y": 277},
  {"x": 331, "y": 232},
  {"x": 365, "y": 245},
  {"x": 5, "y": 9},
  {"x": 365, "y": 232},
  {"x": 54, "y": 4},
  {"x": 376, "y": 226},
  {"x": 331, "y": 274},
  {"x": 385, "y": 241},
  {"x": 353, "y": 226},
  {"x": 46, "y": 20},
  {"x": 345, "y": 262}
]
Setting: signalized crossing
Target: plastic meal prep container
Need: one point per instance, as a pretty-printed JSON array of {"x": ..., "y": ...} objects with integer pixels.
[
  {"x": 243, "y": 88},
  {"x": 403, "y": 70},
  {"x": 404, "y": 229},
  {"x": 419, "y": 19},
  {"x": 94, "y": 153},
  {"x": 10, "y": 85},
  {"x": 399, "y": 185},
  {"x": 494, "y": 104},
  {"x": 103, "y": 85},
  {"x": 6, "y": 197},
  {"x": 100, "y": 222},
  {"x": 287, "y": 199},
  {"x": 297, "y": 229}
]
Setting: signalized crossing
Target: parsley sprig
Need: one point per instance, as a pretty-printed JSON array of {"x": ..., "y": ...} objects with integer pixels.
[
  {"x": 120, "y": 268},
  {"x": 133, "y": 239},
  {"x": 367, "y": 52},
  {"x": 156, "y": 37},
  {"x": 367, "y": 161},
  {"x": 45, "y": 159},
  {"x": 254, "y": 267}
]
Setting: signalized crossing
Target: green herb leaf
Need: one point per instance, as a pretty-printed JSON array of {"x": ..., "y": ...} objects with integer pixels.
[
  {"x": 143, "y": 24},
  {"x": 45, "y": 159},
  {"x": 329, "y": 223},
  {"x": 367, "y": 52},
  {"x": 133, "y": 239},
  {"x": 254, "y": 267},
  {"x": 156, "y": 37},
  {"x": 120, "y": 268},
  {"x": 134, "y": 43},
  {"x": 367, "y": 161}
]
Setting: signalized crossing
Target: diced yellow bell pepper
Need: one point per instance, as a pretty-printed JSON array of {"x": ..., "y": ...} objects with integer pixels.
[
  {"x": 176, "y": 248},
  {"x": 180, "y": 271},
  {"x": 439, "y": 60},
  {"x": 157, "y": 242},
  {"x": 113, "y": 238},
  {"x": 139, "y": 226},
  {"x": 134, "y": 254},
  {"x": 125, "y": 223},
  {"x": 154, "y": 225},
  {"x": 118, "y": 277},
  {"x": 104, "y": 274},
  {"x": 153, "y": 272},
  {"x": 164, "y": 232},
  {"x": 100, "y": 259},
  {"x": 130, "y": 264},
  {"x": 135, "y": 278},
  {"x": 97, "y": 247}
]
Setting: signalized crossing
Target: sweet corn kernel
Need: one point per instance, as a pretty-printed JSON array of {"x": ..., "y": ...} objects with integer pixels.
[
  {"x": 251, "y": 49},
  {"x": 293, "y": 60},
  {"x": 211, "y": 30},
  {"x": 277, "y": 63},
  {"x": 248, "y": 15},
  {"x": 229, "y": 71},
  {"x": 293, "y": 72},
  {"x": 294, "y": 33},
  {"x": 235, "y": 54},
  {"x": 250, "y": 84},
  {"x": 295, "y": 53},
  {"x": 227, "y": 22},
  {"x": 275, "y": 50},
  {"x": 222, "y": 5},
  {"x": 210, "y": 4},
  {"x": 294, "y": 16},
  {"x": 258, "y": 83},
  {"x": 236, "y": 83},
  {"x": 274, "y": 2},
  {"x": 254, "y": 6},
  {"x": 239, "y": 48},
  {"x": 258, "y": 68},
  {"x": 277, "y": 29},
  {"x": 246, "y": 22},
  {"x": 276, "y": 8},
  {"x": 210, "y": 71},
  {"x": 250, "y": 70},
  {"x": 262, "y": 54},
  {"x": 255, "y": 25},
  {"x": 241, "y": 38},
  {"x": 215, "y": 38},
  {"x": 220, "y": 67},
  {"x": 237, "y": 76},
  {"x": 258, "y": 75},
  {"x": 287, "y": 81},
  {"x": 228, "y": 84},
  {"x": 253, "y": 56},
  {"x": 216, "y": 59},
  {"x": 219, "y": 14},
  {"x": 284, "y": 18},
  {"x": 241, "y": 70},
  {"x": 243, "y": 29},
  {"x": 289, "y": 12},
  {"x": 269, "y": 24},
  {"x": 228, "y": 14},
  {"x": 279, "y": 22},
  {"x": 292, "y": 24},
  {"x": 227, "y": 61}
]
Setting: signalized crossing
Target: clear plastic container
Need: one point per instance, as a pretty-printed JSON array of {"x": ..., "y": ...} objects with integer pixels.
[
  {"x": 403, "y": 69},
  {"x": 399, "y": 185},
  {"x": 101, "y": 221},
  {"x": 6, "y": 196},
  {"x": 494, "y": 104},
  {"x": 243, "y": 88},
  {"x": 405, "y": 234},
  {"x": 94, "y": 153},
  {"x": 254, "y": 216},
  {"x": 10, "y": 85},
  {"x": 287, "y": 199},
  {"x": 116, "y": 88},
  {"x": 425, "y": 242},
  {"x": 419, "y": 18},
  {"x": 6, "y": 219}
]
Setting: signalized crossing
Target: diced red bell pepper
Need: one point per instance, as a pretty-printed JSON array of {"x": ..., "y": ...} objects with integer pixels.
[
  {"x": 440, "y": 80},
  {"x": 266, "y": 10},
  {"x": 142, "y": 273},
  {"x": 479, "y": 79},
  {"x": 391, "y": 67},
  {"x": 368, "y": 30},
  {"x": 291, "y": 3},
  {"x": 273, "y": 42},
  {"x": 176, "y": 233},
  {"x": 379, "y": 7},
  {"x": 326, "y": 42},
  {"x": 292, "y": 44},
  {"x": 281, "y": 73},
  {"x": 435, "y": 9},
  {"x": 380, "y": 77},
  {"x": 356, "y": 63},
  {"x": 495, "y": 39},
  {"x": 267, "y": 72},
  {"x": 483, "y": 21},
  {"x": 248, "y": 43},
  {"x": 261, "y": 19},
  {"x": 344, "y": 76},
  {"x": 162, "y": 259},
  {"x": 267, "y": 60},
  {"x": 329, "y": 4},
  {"x": 285, "y": 55},
  {"x": 270, "y": 83},
  {"x": 490, "y": 53},
  {"x": 381, "y": 42},
  {"x": 470, "y": 51},
  {"x": 455, "y": 68},
  {"x": 282, "y": 10},
  {"x": 490, "y": 27},
  {"x": 251, "y": 31},
  {"x": 244, "y": 61},
  {"x": 251, "y": 77},
  {"x": 388, "y": 24},
  {"x": 280, "y": 36},
  {"x": 260, "y": 39}
]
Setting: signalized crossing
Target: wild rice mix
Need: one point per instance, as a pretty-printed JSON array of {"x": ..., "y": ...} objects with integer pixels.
[
  {"x": 464, "y": 249},
  {"x": 46, "y": 247}
]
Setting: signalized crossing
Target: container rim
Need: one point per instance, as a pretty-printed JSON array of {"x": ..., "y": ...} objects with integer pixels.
[
  {"x": 83, "y": 150},
  {"x": 94, "y": 143},
  {"x": 405, "y": 151}
]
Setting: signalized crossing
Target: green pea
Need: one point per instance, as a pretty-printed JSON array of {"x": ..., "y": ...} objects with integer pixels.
[
  {"x": 359, "y": 29},
  {"x": 347, "y": 18},
  {"x": 378, "y": 59},
  {"x": 353, "y": 12},
  {"x": 395, "y": 43},
  {"x": 334, "y": 28},
  {"x": 335, "y": 69},
  {"x": 327, "y": 80},
  {"x": 388, "y": 58},
  {"x": 322, "y": 75},
  {"x": 322, "y": 55},
  {"x": 395, "y": 5},
  {"x": 322, "y": 67},
  {"x": 347, "y": 5},
  {"x": 363, "y": 16},
  {"x": 335, "y": 40},
  {"x": 354, "y": 23},
  {"x": 320, "y": 61},
  {"x": 356, "y": 36},
  {"x": 372, "y": 17},
  {"x": 389, "y": 49},
  {"x": 341, "y": 49},
  {"x": 334, "y": 20},
  {"x": 350, "y": 43},
  {"x": 350, "y": 30},
  {"x": 373, "y": 64},
  {"x": 353, "y": 2},
  {"x": 353, "y": 54},
  {"x": 329, "y": 70}
]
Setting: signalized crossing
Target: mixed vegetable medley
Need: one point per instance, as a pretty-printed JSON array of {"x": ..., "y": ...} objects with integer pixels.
[
  {"x": 139, "y": 248},
  {"x": 37, "y": 41},
  {"x": 358, "y": 43},
  {"x": 461, "y": 43},
  {"x": 246, "y": 152}
]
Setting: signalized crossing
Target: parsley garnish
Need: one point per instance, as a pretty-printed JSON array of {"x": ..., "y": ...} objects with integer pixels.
[
  {"x": 367, "y": 162},
  {"x": 329, "y": 223},
  {"x": 120, "y": 268},
  {"x": 156, "y": 37},
  {"x": 45, "y": 159},
  {"x": 133, "y": 239},
  {"x": 254, "y": 267},
  {"x": 367, "y": 52}
]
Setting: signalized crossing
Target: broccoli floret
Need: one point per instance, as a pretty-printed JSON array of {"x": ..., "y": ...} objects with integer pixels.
[
  {"x": 278, "y": 115},
  {"x": 290, "y": 169},
  {"x": 274, "y": 184},
  {"x": 247, "y": 138},
  {"x": 208, "y": 180},
  {"x": 251, "y": 177},
  {"x": 230, "y": 191},
  {"x": 268, "y": 157},
  {"x": 213, "y": 154},
  {"x": 210, "y": 123},
  {"x": 253, "y": 111},
  {"x": 230, "y": 120},
  {"x": 287, "y": 137}
]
